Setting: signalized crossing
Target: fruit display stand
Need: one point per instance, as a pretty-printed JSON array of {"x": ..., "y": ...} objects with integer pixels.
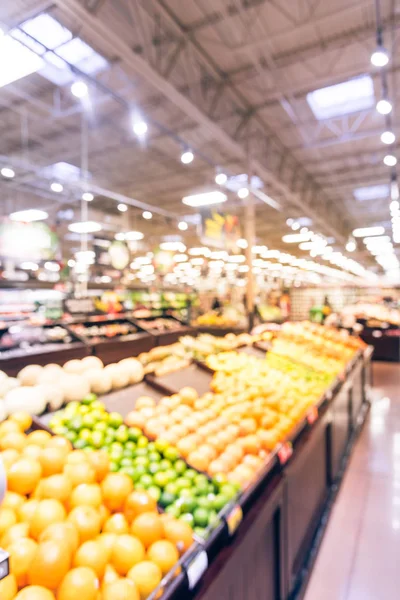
[{"x": 167, "y": 335}]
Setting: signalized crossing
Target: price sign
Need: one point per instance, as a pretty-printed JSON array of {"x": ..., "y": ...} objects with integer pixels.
[
  {"x": 312, "y": 415},
  {"x": 329, "y": 395},
  {"x": 196, "y": 568},
  {"x": 342, "y": 376},
  {"x": 285, "y": 452},
  {"x": 233, "y": 519},
  {"x": 4, "y": 564}
]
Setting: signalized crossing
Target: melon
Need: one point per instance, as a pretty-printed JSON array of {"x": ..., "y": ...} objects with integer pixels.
[
  {"x": 134, "y": 368},
  {"x": 74, "y": 366},
  {"x": 74, "y": 387},
  {"x": 100, "y": 380},
  {"x": 29, "y": 375},
  {"x": 92, "y": 362},
  {"x": 119, "y": 375}
]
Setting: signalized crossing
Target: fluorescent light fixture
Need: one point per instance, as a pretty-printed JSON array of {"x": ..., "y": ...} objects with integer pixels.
[
  {"x": 351, "y": 245},
  {"x": 122, "y": 207},
  {"x": 214, "y": 197},
  {"x": 342, "y": 98},
  {"x": 242, "y": 243},
  {"x": 52, "y": 266},
  {"x": 133, "y": 236},
  {"x": 47, "y": 31},
  {"x": 147, "y": 215},
  {"x": 182, "y": 225},
  {"x": 173, "y": 246},
  {"x": 384, "y": 107},
  {"x": 388, "y": 137},
  {"x": 380, "y": 57},
  {"x": 87, "y": 196},
  {"x": 120, "y": 237},
  {"x": 56, "y": 187},
  {"x": 85, "y": 227},
  {"x": 390, "y": 160},
  {"x": 243, "y": 193},
  {"x": 368, "y": 231},
  {"x": 394, "y": 190},
  {"x": 29, "y": 266},
  {"x": 79, "y": 89},
  {"x": 296, "y": 238},
  {"x": 85, "y": 257},
  {"x": 187, "y": 157},
  {"x": 179, "y": 258},
  {"x": 221, "y": 178},
  {"x": 371, "y": 192},
  {"x": 29, "y": 215},
  {"x": 140, "y": 128},
  {"x": 7, "y": 172},
  {"x": 375, "y": 240},
  {"x": 21, "y": 61}
]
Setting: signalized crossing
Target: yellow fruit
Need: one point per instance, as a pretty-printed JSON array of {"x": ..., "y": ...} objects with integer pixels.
[
  {"x": 50, "y": 564},
  {"x": 14, "y": 440},
  {"x": 88, "y": 494},
  {"x": 80, "y": 473},
  {"x": 23, "y": 476},
  {"x": 110, "y": 575},
  {"x": 79, "y": 584},
  {"x": 115, "y": 488},
  {"x": 8, "y": 427},
  {"x": 39, "y": 437},
  {"x": 12, "y": 500},
  {"x": 32, "y": 451},
  {"x": 86, "y": 521},
  {"x": 52, "y": 461},
  {"x": 20, "y": 530},
  {"x": 148, "y": 528},
  {"x": 117, "y": 523},
  {"x": 8, "y": 588},
  {"x": 8, "y": 518},
  {"x": 46, "y": 513},
  {"x": 101, "y": 464},
  {"x": 23, "y": 420},
  {"x": 123, "y": 589},
  {"x": 76, "y": 457},
  {"x": 179, "y": 533},
  {"x": 94, "y": 555},
  {"x": 107, "y": 540},
  {"x": 137, "y": 503},
  {"x": 61, "y": 443},
  {"x": 127, "y": 551},
  {"x": 27, "y": 510},
  {"x": 35, "y": 592},
  {"x": 22, "y": 552},
  {"x": 64, "y": 532},
  {"x": 58, "y": 487},
  {"x": 164, "y": 554},
  {"x": 147, "y": 576},
  {"x": 9, "y": 457}
]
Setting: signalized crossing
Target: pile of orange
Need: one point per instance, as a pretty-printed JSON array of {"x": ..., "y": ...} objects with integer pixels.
[{"x": 74, "y": 530}]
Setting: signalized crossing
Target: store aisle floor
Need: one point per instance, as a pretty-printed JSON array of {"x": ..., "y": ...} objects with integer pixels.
[{"x": 359, "y": 555}]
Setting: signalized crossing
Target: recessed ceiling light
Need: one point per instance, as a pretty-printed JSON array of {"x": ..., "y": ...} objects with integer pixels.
[
  {"x": 351, "y": 245},
  {"x": 140, "y": 128},
  {"x": 242, "y": 243},
  {"x": 214, "y": 197},
  {"x": 147, "y": 215},
  {"x": 221, "y": 178},
  {"x": 85, "y": 227},
  {"x": 134, "y": 236},
  {"x": 384, "y": 107},
  {"x": 342, "y": 98},
  {"x": 187, "y": 157},
  {"x": 7, "y": 172},
  {"x": 52, "y": 266},
  {"x": 368, "y": 231},
  {"x": 296, "y": 238},
  {"x": 380, "y": 57},
  {"x": 56, "y": 187},
  {"x": 243, "y": 193},
  {"x": 388, "y": 137},
  {"x": 122, "y": 207},
  {"x": 371, "y": 192},
  {"x": 390, "y": 160},
  {"x": 182, "y": 225},
  {"x": 71, "y": 263},
  {"x": 79, "y": 89},
  {"x": 29, "y": 215},
  {"x": 87, "y": 196}
]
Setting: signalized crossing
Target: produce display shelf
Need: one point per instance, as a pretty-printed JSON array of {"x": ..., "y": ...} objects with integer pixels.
[
  {"x": 164, "y": 338},
  {"x": 220, "y": 331},
  {"x": 59, "y": 354}
]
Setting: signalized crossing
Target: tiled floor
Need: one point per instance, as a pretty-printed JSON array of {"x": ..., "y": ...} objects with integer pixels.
[{"x": 359, "y": 555}]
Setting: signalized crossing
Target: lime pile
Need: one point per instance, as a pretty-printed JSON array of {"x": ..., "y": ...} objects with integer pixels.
[{"x": 153, "y": 466}]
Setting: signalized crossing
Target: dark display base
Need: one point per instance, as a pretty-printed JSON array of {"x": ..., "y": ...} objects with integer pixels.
[{"x": 43, "y": 357}]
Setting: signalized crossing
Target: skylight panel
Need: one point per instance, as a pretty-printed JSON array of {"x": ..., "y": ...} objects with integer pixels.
[
  {"x": 75, "y": 51},
  {"x": 21, "y": 61},
  {"x": 58, "y": 71},
  {"x": 26, "y": 40},
  {"x": 371, "y": 192},
  {"x": 342, "y": 98},
  {"x": 47, "y": 31},
  {"x": 92, "y": 64}
]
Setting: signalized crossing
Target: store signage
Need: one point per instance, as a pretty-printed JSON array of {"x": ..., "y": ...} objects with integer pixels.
[
  {"x": 119, "y": 255},
  {"x": 219, "y": 229},
  {"x": 233, "y": 519},
  {"x": 4, "y": 564},
  {"x": 197, "y": 568},
  {"x": 79, "y": 306},
  {"x": 33, "y": 241},
  {"x": 285, "y": 452},
  {"x": 312, "y": 415}
]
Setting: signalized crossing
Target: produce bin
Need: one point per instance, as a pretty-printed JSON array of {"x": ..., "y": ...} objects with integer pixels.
[
  {"x": 193, "y": 376},
  {"x": 164, "y": 336}
]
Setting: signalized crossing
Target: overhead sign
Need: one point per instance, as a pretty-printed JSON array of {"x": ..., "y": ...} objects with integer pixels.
[
  {"x": 22, "y": 241},
  {"x": 219, "y": 229}
]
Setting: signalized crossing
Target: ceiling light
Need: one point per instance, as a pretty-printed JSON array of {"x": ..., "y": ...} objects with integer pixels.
[
  {"x": 371, "y": 192},
  {"x": 147, "y": 215},
  {"x": 71, "y": 263},
  {"x": 380, "y": 57},
  {"x": 140, "y": 128},
  {"x": 295, "y": 226},
  {"x": 133, "y": 236},
  {"x": 289, "y": 222},
  {"x": 242, "y": 243},
  {"x": 47, "y": 30},
  {"x": 243, "y": 193},
  {"x": 122, "y": 207},
  {"x": 87, "y": 196},
  {"x": 351, "y": 245},
  {"x": 342, "y": 98},
  {"x": 187, "y": 157},
  {"x": 79, "y": 89},
  {"x": 390, "y": 160},
  {"x": 29, "y": 266},
  {"x": 296, "y": 238},
  {"x": 221, "y": 178},
  {"x": 388, "y": 137},
  {"x": 179, "y": 258},
  {"x": 29, "y": 215},
  {"x": 7, "y": 172},
  {"x": 85, "y": 257},
  {"x": 120, "y": 237},
  {"x": 56, "y": 187},
  {"x": 394, "y": 205},
  {"x": 173, "y": 246},
  {"x": 85, "y": 227},
  {"x": 384, "y": 107},
  {"x": 52, "y": 266},
  {"x": 214, "y": 197},
  {"x": 182, "y": 225},
  {"x": 368, "y": 231}
]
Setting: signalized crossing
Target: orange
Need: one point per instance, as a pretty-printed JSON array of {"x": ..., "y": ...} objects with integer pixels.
[
  {"x": 101, "y": 464},
  {"x": 61, "y": 443},
  {"x": 64, "y": 532},
  {"x": 27, "y": 510},
  {"x": 117, "y": 523},
  {"x": 148, "y": 527},
  {"x": 110, "y": 575},
  {"x": 47, "y": 512},
  {"x": 164, "y": 554},
  {"x": 94, "y": 555},
  {"x": 22, "y": 419},
  {"x": 39, "y": 437},
  {"x": 35, "y": 592},
  {"x": 147, "y": 576},
  {"x": 87, "y": 522},
  {"x": 123, "y": 589},
  {"x": 104, "y": 514},
  {"x": 79, "y": 584},
  {"x": 127, "y": 551},
  {"x": 80, "y": 473},
  {"x": 20, "y": 530},
  {"x": 57, "y": 487},
  {"x": 88, "y": 494},
  {"x": 9, "y": 457},
  {"x": 32, "y": 451},
  {"x": 179, "y": 533},
  {"x": 8, "y": 588},
  {"x": 8, "y": 427},
  {"x": 51, "y": 563},
  {"x": 137, "y": 503},
  {"x": 8, "y": 518},
  {"x": 22, "y": 552},
  {"x": 52, "y": 461},
  {"x": 14, "y": 440},
  {"x": 23, "y": 476},
  {"x": 76, "y": 457},
  {"x": 107, "y": 540},
  {"x": 198, "y": 460},
  {"x": 37, "y": 494},
  {"x": 116, "y": 487}
]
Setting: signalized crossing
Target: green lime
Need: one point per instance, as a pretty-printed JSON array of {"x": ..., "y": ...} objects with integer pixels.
[
  {"x": 201, "y": 532},
  {"x": 110, "y": 431},
  {"x": 201, "y": 488},
  {"x": 126, "y": 462},
  {"x": 100, "y": 427},
  {"x": 220, "y": 479},
  {"x": 130, "y": 445},
  {"x": 88, "y": 421},
  {"x": 84, "y": 410},
  {"x": 60, "y": 430},
  {"x": 188, "y": 505},
  {"x": 171, "y": 454},
  {"x": 201, "y": 517},
  {"x": 154, "y": 468},
  {"x": 115, "y": 456},
  {"x": 129, "y": 453},
  {"x": 167, "y": 499},
  {"x": 117, "y": 447},
  {"x": 142, "y": 460},
  {"x": 142, "y": 442},
  {"x": 154, "y": 456},
  {"x": 188, "y": 518},
  {"x": 72, "y": 408},
  {"x": 76, "y": 423},
  {"x": 228, "y": 490},
  {"x": 203, "y": 502},
  {"x": 141, "y": 470},
  {"x": 139, "y": 486},
  {"x": 165, "y": 464},
  {"x": 97, "y": 405},
  {"x": 170, "y": 473},
  {"x": 89, "y": 399},
  {"x": 200, "y": 480},
  {"x": 80, "y": 444},
  {"x": 180, "y": 467},
  {"x": 99, "y": 415},
  {"x": 129, "y": 471},
  {"x": 97, "y": 439},
  {"x": 160, "y": 479},
  {"x": 114, "y": 466},
  {"x": 151, "y": 447},
  {"x": 134, "y": 434},
  {"x": 173, "y": 509},
  {"x": 183, "y": 483},
  {"x": 171, "y": 488},
  {"x": 71, "y": 436},
  {"x": 219, "y": 502},
  {"x": 155, "y": 492},
  {"x": 121, "y": 435},
  {"x": 161, "y": 445},
  {"x": 141, "y": 452},
  {"x": 186, "y": 493},
  {"x": 108, "y": 441},
  {"x": 115, "y": 420},
  {"x": 147, "y": 480},
  {"x": 213, "y": 519},
  {"x": 85, "y": 434},
  {"x": 191, "y": 474}
]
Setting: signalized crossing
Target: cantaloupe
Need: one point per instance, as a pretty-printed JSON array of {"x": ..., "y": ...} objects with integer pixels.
[
  {"x": 92, "y": 362},
  {"x": 74, "y": 366},
  {"x": 29, "y": 375},
  {"x": 74, "y": 387},
  {"x": 119, "y": 375},
  {"x": 100, "y": 380}
]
